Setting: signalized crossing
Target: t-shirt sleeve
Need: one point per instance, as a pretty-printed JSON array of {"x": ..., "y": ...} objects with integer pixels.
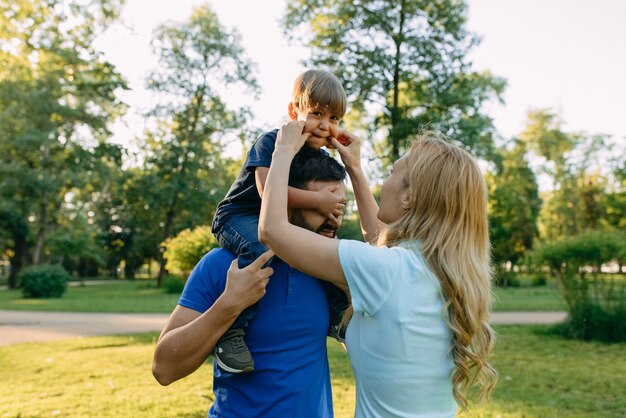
[
  {"x": 207, "y": 281},
  {"x": 260, "y": 154},
  {"x": 369, "y": 272}
]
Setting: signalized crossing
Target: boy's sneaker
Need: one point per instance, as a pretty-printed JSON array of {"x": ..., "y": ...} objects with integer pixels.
[
  {"x": 337, "y": 332},
  {"x": 232, "y": 354}
]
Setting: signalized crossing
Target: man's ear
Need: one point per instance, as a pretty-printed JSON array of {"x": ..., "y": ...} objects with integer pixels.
[{"x": 291, "y": 110}]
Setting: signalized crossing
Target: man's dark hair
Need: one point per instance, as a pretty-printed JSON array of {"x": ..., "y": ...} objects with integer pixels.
[{"x": 314, "y": 165}]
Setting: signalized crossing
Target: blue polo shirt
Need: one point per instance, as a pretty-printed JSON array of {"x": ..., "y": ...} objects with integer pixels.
[{"x": 287, "y": 339}]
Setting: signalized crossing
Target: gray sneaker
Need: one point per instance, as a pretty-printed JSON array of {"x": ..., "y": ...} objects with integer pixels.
[
  {"x": 232, "y": 354},
  {"x": 337, "y": 332}
]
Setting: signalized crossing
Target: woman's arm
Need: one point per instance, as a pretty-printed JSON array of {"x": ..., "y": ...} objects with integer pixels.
[
  {"x": 304, "y": 250},
  {"x": 366, "y": 204},
  {"x": 190, "y": 336}
]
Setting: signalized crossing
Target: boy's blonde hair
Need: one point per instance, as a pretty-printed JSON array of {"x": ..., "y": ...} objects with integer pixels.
[
  {"x": 448, "y": 214},
  {"x": 319, "y": 88}
]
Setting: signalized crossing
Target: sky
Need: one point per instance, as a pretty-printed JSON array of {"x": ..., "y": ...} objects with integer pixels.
[{"x": 565, "y": 55}]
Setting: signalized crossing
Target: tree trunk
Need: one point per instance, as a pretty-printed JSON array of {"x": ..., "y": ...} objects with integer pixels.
[
  {"x": 394, "y": 136},
  {"x": 130, "y": 269},
  {"x": 169, "y": 220},
  {"x": 41, "y": 232},
  {"x": 17, "y": 261},
  {"x": 171, "y": 211}
]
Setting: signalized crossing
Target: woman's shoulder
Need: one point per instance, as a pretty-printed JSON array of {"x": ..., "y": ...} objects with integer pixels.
[{"x": 403, "y": 256}]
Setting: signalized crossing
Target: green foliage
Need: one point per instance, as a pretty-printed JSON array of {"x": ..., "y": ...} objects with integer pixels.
[
  {"x": 350, "y": 228},
  {"x": 593, "y": 321},
  {"x": 597, "y": 306},
  {"x": 507, "y": 279},
  {"x": 185, "y": 174},
  {"x": 75, "y": 241},
  {"x": 405, "y": 59},
  {"x": 57, "y": 98},
  {"x": 183, "y": 251},
  {"x": 173, "y": 285},
  {"x": 615, "y": 202},
  {"x": 513, "y": 208},
  {"x": 586, "y": 190},
  {"x": 44, "y": 281},
  {"x": 539, "y": 280},
  {"x": 592, "y": 248}
]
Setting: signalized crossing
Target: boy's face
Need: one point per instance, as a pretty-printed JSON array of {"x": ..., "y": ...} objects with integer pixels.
[{"x": 320, "y": 122}]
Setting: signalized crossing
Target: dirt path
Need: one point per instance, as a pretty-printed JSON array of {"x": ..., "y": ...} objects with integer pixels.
[{"x": 26, "y": 326}]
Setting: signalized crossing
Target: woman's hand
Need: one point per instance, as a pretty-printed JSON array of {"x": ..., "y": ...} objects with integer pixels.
[
  {"x": 349, "y": 147},
  {"x": 291, "y": 137}
]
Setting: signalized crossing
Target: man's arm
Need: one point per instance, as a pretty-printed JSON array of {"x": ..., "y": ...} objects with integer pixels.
[{"x": 190, "y": 336}]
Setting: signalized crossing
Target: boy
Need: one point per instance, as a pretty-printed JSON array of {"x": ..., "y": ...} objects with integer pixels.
[{"x": 320, "y": 101}]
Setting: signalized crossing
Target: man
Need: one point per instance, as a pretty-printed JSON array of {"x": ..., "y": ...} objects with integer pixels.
[{"x": 287, "y": 336}]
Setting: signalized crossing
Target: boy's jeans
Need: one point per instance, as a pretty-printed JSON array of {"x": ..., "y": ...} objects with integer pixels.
[{"x": 239, "y": 234}]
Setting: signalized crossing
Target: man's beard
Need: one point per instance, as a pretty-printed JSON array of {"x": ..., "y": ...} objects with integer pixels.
[{"x": 326, "y": 229}]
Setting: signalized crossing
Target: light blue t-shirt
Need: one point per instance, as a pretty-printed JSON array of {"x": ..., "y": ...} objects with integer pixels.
[{"x": 398, "y": 342}]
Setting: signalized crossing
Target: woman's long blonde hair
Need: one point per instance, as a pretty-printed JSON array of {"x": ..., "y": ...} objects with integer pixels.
[{"x": 448, "y": 214}]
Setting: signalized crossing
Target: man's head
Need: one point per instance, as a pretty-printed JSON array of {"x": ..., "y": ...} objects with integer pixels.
[
  {"x": 313, "y": 170},
  {"x": 320, "y": 101}
]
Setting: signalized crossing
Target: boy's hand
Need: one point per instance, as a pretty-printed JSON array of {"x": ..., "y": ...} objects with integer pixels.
[
  {"x": 349, "y": 147},
  {"x": 247, "y": 285},
  {"x": 332, "y": 202},
  {"x": 291, "y": 136}
]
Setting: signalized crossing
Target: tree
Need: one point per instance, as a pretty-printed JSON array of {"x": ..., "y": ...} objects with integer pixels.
[
  {"x": 615, "y": 203},
  {"x": 405, "y": 59},
  {"x": 186, "y": 174},
  {"x": 57, "y": 97},
  {"x": 514, "y": 206},
  {"x": 577, "y": 201}
]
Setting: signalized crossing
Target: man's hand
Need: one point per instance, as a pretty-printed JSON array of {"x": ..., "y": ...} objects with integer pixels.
[
  {"x": 246, "y": 286},
  {"x": 349, "y": 147},
  {"x": 291, "y": 137}
]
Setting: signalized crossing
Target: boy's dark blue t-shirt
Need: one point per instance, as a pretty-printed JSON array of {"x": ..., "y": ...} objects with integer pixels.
[{"x": 243, "y": 196}]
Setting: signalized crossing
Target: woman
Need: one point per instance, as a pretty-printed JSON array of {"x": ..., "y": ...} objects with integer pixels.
[{"x": 419, "y": 337}]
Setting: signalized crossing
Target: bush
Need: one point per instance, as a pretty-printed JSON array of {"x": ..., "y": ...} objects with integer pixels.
[
  {"x": 44, "y": 281},
  {"x": 596, "y": 306},
  {"x": 539, "y": 280},
  {"x": 183, "y": 251},
  {"x": 173, "y": 285},
  {"x": 506, "y": 279},
  {"x": 592, "y": 321}
]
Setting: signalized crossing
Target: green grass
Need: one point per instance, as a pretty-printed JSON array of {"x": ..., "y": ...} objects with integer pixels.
[
  {"x": 125, "y": 296},
  {"x": 542, "y": 376},
  {"x": 142, "y": 296},
  {"x": 540, "y": 298}
]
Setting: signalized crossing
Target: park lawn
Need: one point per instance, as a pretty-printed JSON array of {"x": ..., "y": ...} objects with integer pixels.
[
  {"x": 142, "y": 296},
  {"x": 536, "y": 298},
  {"x": 122, "y": 296},
  {"x": 542, "y": 375}
]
